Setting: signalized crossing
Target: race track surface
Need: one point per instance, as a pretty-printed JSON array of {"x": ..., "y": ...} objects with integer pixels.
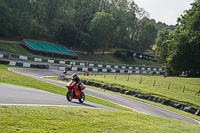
[{"x": 16, "y": 95}]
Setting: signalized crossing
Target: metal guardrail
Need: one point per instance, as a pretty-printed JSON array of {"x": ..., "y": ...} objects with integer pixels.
[
  {"x": 109, "y": 70},
  {"x": 20, "y": 64},
  {"x": 88, "y": 66}
]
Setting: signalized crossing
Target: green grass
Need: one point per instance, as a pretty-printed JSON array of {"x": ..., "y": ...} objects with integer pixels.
[
  {"x": 99, "y": 58},
  {"x": 146, "y": 62},
  {"x": 111, "y": 59},
  {"x": 14, "y": 48},
  {"x": 65, "y": 119},
  {"x": 8, "y": 77},
  {"x": 174, "y": 93}
]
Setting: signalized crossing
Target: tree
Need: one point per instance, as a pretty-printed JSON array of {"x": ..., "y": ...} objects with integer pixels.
[
  {"x": 162, "y": 45},
  {"x": 124, "y": 13},
  {"x": 21, "y": 17},
  {"x": 141, "y": 13},
  {"x": 66, "y": 35},
  {"x": 102, "y": 29},
  {"x": 146, "y": 34},
  {"x": 183, "y": 44},
  {"x": 84, "y": 13},
  {"x": 5, "y": 19},
  {"x": 86, "y": 43}
]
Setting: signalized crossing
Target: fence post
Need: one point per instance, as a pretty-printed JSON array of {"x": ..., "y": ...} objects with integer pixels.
[
  {"x": 128, "y": 77},
  {"x": 184, "y": 89},
  {"x": 154, "y": 82},
  {"x": 140, "y": 81},
  {"x": 169, "y": 86},
  {"x": 198, "y": 93}
]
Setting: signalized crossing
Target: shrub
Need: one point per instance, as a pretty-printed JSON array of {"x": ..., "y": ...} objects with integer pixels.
[{"x": 119, "y": 54}]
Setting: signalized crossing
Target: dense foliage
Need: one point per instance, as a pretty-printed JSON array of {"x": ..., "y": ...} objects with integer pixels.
[
  {"x": 180, "y": 49},
  {"x": 120, "y": 55},
  {"x": 84, "y": 24}
]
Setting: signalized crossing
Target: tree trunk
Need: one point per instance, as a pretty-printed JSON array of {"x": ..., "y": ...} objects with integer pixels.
[
  {"x": 76, "y": 40},
  {"x": 103, "y": 52}
]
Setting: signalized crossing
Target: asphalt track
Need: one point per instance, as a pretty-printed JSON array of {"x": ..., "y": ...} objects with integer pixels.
[
  {"x": 39, "y": 97},
  {"x": 16, "y": 95}
]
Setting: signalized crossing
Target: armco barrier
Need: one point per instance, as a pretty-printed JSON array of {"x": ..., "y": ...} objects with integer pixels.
[
  {"x": 4, "y": 62},
  {"x": 105, "y": 70},
  {"x": 13, "y": 63},
  {"x": 140, "y": 95},
  {"x": 90, "y": 64}
]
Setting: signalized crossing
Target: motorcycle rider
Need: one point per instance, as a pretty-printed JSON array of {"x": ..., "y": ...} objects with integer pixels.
[{"x": 77, "y": 80}]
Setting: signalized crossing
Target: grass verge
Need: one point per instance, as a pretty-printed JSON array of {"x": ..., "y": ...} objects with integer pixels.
[
  {"x": 170, "y": 88},
  {"x": 145, "y": 101},
  {"x": 62, "y": 119},
  {"x": 111, "y": 59}
]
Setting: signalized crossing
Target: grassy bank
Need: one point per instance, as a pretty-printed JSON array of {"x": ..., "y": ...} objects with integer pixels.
[
  {"x": 62, "y": 119},
  {"x": 18, "y": 49},
  {"x": 14, "y": 48},
  {"x": 111, "y": 59},
  {"x": 99, "y": 58},
  {"x": 170, "y": 88}
]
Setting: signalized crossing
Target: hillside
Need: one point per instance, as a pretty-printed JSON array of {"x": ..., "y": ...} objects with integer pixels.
[{"x": 18, "y": 49}]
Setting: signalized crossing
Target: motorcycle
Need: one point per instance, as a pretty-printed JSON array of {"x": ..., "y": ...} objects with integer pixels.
[{"x": 74, "y": 92}]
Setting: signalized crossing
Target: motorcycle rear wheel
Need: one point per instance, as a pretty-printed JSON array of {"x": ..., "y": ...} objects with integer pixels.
[
  {"x": 82, "y": 98},
  {"x": 69, "y": 96}
]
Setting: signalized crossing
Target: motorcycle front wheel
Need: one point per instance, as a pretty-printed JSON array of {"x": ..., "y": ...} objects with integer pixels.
[
  {"x": 82, "y": 98},
  {"x": 69, "y": 96}
]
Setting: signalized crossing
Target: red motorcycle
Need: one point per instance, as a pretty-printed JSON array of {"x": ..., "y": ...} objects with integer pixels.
[{"x": 74, "y": 93}]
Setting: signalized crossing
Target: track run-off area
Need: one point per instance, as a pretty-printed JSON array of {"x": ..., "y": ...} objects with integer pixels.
[{"x": 15, "y": 95}]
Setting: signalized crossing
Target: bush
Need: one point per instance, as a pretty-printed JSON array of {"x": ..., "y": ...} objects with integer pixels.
[{"x": 119, "y": 54}]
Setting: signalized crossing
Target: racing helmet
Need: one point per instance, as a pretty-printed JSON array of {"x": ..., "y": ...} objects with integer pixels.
[{"x": 74, "y": 76}]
